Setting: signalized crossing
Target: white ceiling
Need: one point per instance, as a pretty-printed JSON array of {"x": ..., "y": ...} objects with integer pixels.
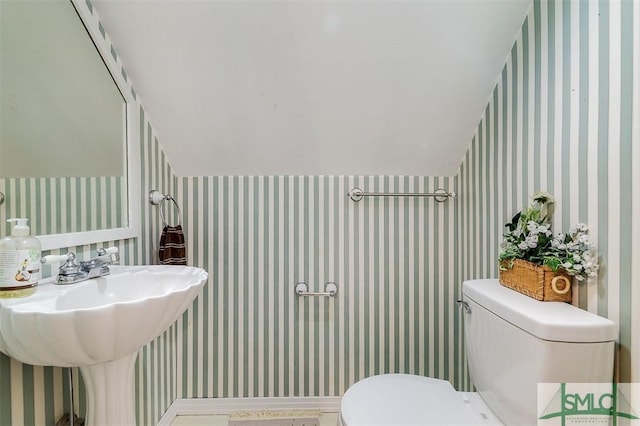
[{"x": 269, "y": 87}]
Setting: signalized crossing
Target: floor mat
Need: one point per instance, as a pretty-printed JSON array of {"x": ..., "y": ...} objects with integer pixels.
[{"x": 275, "y": 418}]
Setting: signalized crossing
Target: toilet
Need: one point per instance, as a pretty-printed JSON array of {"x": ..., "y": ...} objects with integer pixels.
[{"x": 513, "y": 342}]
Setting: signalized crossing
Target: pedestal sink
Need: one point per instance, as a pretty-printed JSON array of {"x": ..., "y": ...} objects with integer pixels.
[{"x": 99, "y": 325}]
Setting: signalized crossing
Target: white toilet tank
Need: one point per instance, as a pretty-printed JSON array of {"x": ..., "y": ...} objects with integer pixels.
[{"x": 514, "y": 342}]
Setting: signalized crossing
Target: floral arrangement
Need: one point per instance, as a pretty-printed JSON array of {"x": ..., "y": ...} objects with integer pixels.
[{"x": 529, "y": 237}]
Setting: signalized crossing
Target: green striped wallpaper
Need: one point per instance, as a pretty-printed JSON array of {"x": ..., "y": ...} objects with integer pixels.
[
  {"x": 50, "y": 203},
  {"x": 155, "y": 384},
  {"x": 565, "y": 117},
  {"x": 392, "y": 259}
]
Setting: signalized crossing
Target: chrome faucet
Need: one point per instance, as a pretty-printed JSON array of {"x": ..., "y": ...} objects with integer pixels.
[{"x": 71, "y": 272}]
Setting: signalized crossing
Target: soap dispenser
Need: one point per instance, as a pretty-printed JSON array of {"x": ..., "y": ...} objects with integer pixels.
[{"x": 19, "y": 261}]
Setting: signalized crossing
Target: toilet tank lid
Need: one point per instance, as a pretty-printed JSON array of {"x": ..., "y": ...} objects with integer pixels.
[{"x": 555, "y": 321}]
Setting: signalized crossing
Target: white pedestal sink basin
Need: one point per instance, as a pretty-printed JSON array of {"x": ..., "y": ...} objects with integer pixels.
[{"x": 99, "y": 325}]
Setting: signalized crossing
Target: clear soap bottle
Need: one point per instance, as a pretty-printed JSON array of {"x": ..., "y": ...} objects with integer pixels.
[{"x": 19, "y": 261}]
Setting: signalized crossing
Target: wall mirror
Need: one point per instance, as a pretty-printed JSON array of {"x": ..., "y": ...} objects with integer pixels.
[{"x": 68, "y": 117}]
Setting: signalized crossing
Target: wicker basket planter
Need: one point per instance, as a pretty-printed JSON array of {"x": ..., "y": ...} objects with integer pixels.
[{"x": 537, "y": 281}]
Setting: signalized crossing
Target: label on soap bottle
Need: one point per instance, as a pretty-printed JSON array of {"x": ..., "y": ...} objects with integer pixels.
[{"x": 19, "y": 268}]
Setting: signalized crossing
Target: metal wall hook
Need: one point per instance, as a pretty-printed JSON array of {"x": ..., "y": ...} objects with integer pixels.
[
  {"x": 330, "y": 290},
  {"x": 158, "y": 198}
]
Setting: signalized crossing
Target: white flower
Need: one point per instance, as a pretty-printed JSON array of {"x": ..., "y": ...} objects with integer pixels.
[
  {"x": 561, "y": 237},
  {"x": 523, "y": 245},
  {"x": 576, "y": 258},
  {"x": 532, "y": 240}
]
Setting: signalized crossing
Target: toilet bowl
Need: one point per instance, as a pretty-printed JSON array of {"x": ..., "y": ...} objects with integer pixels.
[
  {"x": 512, "y": 343},
  {"x": 406, "y": 399}
]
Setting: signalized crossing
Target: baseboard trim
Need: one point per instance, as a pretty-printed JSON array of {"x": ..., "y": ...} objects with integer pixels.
[{"x": 213, "y": 406}]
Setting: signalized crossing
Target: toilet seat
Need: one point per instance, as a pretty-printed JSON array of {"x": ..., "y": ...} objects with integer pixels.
[{"x": 405, "y": 399}]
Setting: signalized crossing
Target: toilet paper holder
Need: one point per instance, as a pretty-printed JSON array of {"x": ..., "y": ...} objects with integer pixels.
[{"x": 330, "y": 290}]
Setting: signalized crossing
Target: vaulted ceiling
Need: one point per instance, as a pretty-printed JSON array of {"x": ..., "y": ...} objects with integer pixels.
[{"x": 347, "y": 87}]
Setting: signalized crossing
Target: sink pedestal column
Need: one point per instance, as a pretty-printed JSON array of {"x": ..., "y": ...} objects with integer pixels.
[{"x": 110, "y": 392}]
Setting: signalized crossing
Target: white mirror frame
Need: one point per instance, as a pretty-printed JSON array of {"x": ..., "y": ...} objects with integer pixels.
[{"x": 132, "y": 169}]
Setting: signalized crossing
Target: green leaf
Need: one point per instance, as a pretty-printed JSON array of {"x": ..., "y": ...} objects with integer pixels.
[
  {"x": 552, "y": 262},
  {"x": 515, "y": 220}
]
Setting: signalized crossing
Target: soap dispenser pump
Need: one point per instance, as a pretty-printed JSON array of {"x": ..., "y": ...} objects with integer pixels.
[{"x": 19, "y": 261}]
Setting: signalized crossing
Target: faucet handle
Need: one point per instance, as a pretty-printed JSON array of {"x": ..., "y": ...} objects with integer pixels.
[
  {"x": 53, "y": 258},
  {"x": 109, "y": 250},
  {"x": 111, "y": 253}
]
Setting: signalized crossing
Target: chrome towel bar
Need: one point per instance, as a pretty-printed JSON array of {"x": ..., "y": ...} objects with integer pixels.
[
  {"x": 330, "y": 290},
  {"x": 440, "y": 195}
]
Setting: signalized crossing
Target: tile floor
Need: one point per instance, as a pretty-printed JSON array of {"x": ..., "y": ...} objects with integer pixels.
[{"x": 326, "y": 419}]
